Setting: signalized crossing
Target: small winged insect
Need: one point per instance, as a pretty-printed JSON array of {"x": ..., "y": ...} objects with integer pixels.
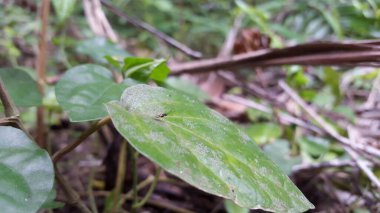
[{"x": 160, "y": 116}]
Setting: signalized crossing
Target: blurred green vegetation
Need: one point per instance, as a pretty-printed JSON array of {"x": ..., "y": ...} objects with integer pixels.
[{"x": 203, "y": 26}]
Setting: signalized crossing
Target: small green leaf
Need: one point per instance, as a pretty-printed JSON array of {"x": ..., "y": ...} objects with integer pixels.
[
  {"x": 50, "y": 202},
  {"x": 203, "y": 148},
  {"x": 346, "y": 111},
  {"x": 256, "y": 115},
  {"x": 264, "y": 132},
  {"x": 325, "y": 98},
  {"x": 26, "y": 171},
  {"x": 279, "y": 152},
  {"x": 97, "y": 48},
  {"x": 64, "y": 9},
  {"x": 21, "y": 87},
  {"x": 332, "y": 79},
  {"x": 143, "y": 69},
  {"x": 114, "y": 62},
  {"x": 315, "y": 146},
  {"x": 83, "y": 90},
  {"x": 187, "y": 87}
]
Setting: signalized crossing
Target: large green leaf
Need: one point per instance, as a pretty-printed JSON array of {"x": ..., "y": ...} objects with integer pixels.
[
  {"x": 203, "y": 148},
  {"x": 26, "y": 172},
  {"x": 83, "y": 90},
  {"x": 21, "y": 87}
]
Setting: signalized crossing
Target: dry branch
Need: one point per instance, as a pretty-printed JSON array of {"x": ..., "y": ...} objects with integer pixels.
[
  {"x": 142, "y": 25},
  {"x": 317, "y": 53},
  {"x": 350, "y": 146}
]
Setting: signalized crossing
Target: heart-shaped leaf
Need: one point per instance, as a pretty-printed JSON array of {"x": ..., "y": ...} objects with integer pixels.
[
  {"x": 21, "y": 87},
  {"x": 203, "y": 148},
  {"x": 83, "y": 90},
  {"x": 26, "y": 172}
]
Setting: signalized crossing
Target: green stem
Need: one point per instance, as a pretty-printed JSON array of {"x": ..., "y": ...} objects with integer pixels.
[
  {"x": 121, "y": 170},
  {"x": 93, "y": 128},
  {"x": 90, "y": 192},
  {"x": 135, "y": 156},
  {"x": 9, "y": 107},
  {"x": 62, "y": 49},
  {"x": 129, "y": 194},
  {"x": 11, "y": 111},
  {"x": 150, "y": 191}
]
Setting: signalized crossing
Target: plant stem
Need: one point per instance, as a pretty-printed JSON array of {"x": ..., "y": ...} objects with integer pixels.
[
  {"x": 93, "y": 128},
  {"x": 41, "y": 68},
  {"x": 72, "y": 196},
  {"x": 11, "y": 112},
  {"x": 150, "y": 191},
  {"x": 141, "y": 185},
  {"x": 135, "y": 156},
  {"x": 121, "y": 170},
  {"x": 9, "y": 107},
  {"x": 90, "y": 192},
  {"x": 169, "y": 206}
]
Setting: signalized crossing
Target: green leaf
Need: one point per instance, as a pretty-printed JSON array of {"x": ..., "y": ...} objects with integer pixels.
[
  {"x": 21, "y": 87},
  {"x": 143, "y": 69},
  {"x": 231, "y": 207},
  {"x": 99, "y": 47},
  {"x": 187, "y": 87},
  {"x": 114, "y": 62},
  {"x": 50, "y": 202},
  {"x": 325, "y": 98},
  {"x": 256, "y": 115},
  {"x": 332, "y": 78},
  {"x": 346, "y": 111},
  {"x": 83, "y": 90},
  {"x": 264, "y": 132},
  {"x": 26, "y": 171},
  {"x": 315, "y": 146},
  {"x": 203, "y": 148},
  {"x": 64, "y": 9},
  {"x": 279, "y": 152}
]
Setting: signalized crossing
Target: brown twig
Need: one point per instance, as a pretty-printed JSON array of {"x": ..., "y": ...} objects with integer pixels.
[
  {"x": 41, "y": 66},
  {"x": 353, "y": 134},
  {"x": 142, "y": 25},
  {"x": 324, "y": 165},
  {"x": 97, "y": 20},
  {"x": 168, "y": 206},
  {"x": 93, "y": 128},
  {"x": 326, "y": 126},
  {"x": 283, "y": 117},
  {"x": 349, "y": 145},
  {"x": 303, "y": 54},
  {"x": 72, "y": 196}
]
